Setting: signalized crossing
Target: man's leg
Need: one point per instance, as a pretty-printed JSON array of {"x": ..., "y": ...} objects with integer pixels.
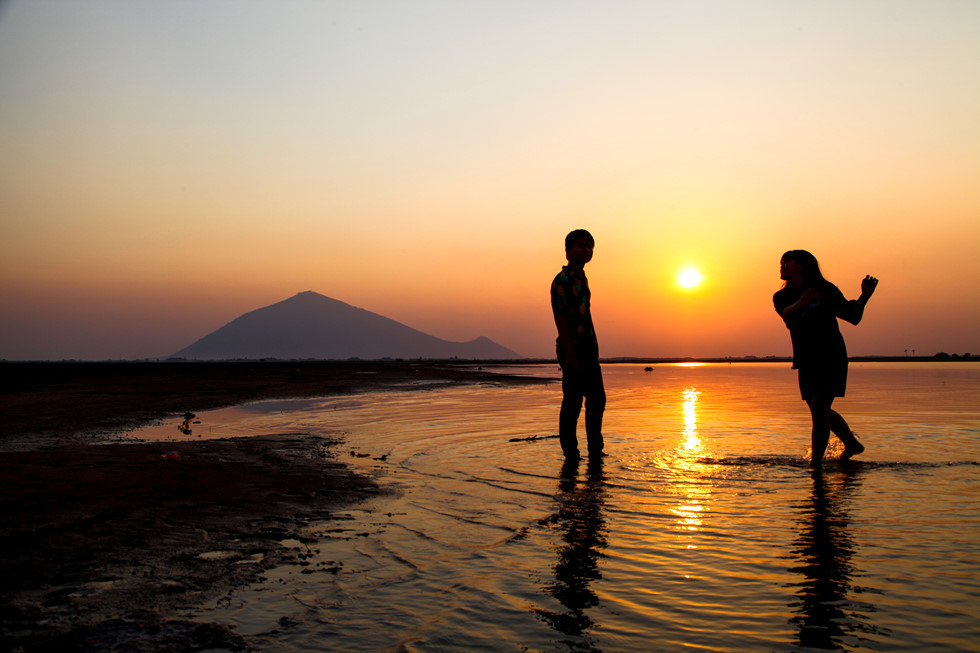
[
  {"x": 595, "y": 406},
  {"x": 571, "y": 407}
]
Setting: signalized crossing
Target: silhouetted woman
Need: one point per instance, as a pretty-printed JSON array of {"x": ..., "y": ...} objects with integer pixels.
[{"x": 810, "y": 306}]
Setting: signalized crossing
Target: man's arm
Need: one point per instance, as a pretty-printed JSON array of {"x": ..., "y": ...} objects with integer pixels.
[{"x": 565, "y": 340}]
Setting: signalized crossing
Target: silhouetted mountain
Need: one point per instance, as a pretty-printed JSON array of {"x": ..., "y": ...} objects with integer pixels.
[{"x": 311, "y": 325}]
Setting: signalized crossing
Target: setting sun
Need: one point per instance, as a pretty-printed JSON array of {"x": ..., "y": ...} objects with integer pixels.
[{"x": 689, "y": 278}]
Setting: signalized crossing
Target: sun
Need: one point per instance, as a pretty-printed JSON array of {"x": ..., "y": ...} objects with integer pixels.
[{"x": 689, "y": 278}]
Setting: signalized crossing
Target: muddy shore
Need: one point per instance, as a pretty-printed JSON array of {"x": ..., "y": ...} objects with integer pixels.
[{"x": 111, "y": 546}]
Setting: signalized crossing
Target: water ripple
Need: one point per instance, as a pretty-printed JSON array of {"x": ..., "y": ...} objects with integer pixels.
[{"x": 702, "y": 529}]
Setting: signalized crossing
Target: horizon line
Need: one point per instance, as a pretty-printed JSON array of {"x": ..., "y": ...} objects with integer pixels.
[{"x": 529, "y": 360}]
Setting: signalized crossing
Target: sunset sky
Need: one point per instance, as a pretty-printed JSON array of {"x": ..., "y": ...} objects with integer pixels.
[{"x": 168, "y": 166}]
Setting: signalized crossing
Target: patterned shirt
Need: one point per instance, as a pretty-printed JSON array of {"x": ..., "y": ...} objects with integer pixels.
[{"x": 570, "y": 298}]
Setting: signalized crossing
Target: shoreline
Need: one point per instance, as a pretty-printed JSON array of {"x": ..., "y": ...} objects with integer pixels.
[
  {"x": 52, "y": 403},
  {"x": 116, "y": 545}
]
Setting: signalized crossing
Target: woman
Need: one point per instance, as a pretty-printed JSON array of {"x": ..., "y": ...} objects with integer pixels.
[{"x": 810, "y": 306}]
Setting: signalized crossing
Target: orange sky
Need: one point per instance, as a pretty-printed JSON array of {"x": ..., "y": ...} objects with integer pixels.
[{"x": 166, "y": 168}]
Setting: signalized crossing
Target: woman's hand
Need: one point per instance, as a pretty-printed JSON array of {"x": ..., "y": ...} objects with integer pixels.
[
  {"x": 808, "y": 297},
  {"x": 868, "y": 285}
]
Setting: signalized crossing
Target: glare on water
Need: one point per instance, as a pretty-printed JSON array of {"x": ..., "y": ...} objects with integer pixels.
[{"x": 702, "y": 528}]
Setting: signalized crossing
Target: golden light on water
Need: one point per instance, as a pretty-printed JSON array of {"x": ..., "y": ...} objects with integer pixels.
[
  {"x": 691, "y": 439},
  {"x": 694, "y": 492}
]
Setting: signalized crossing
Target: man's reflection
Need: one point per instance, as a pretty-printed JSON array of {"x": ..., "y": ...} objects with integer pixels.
[
  {"x": 582, "y": 530},
  {"x": 825, "y": 613}
]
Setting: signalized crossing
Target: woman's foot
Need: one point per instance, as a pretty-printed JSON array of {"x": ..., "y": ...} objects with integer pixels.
[{"x": 851, "y": 450}]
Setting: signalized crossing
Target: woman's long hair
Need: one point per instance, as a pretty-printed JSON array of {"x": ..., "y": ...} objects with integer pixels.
[{"x": 809, "y": 267}]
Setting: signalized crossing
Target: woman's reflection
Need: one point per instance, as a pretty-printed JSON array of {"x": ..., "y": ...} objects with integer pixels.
[
  {"x": 582, "y": 529},
  {"x": 825, "y": 613}
]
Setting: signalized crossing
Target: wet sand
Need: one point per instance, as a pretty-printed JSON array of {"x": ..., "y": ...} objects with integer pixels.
[{"x": 109, "y": 545}]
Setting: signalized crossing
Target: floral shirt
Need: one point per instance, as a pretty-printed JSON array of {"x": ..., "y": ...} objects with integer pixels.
[{"x": 570, "y": 298}]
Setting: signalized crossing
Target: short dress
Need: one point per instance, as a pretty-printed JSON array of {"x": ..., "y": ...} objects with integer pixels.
[{"x": 819, "y": 352}]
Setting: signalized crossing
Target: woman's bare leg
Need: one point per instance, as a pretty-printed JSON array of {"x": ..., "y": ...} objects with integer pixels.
[
  {"x": 820, "y": 434},
  {"x": 840, "y": 428}
]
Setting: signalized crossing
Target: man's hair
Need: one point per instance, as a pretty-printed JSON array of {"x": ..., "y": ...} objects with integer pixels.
[{"x": 574, "y": 236}]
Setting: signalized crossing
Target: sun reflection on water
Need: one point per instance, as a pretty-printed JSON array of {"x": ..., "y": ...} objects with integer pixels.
[
  {"x": 691, "y": 486},
  {"x": 691, "y": 440}
]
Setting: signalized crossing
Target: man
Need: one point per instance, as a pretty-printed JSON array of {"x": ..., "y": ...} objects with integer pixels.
[{"x": 577, "y": 348}]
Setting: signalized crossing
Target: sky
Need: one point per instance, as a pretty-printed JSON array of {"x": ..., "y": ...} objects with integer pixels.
[{"x": 168, "y": 166}]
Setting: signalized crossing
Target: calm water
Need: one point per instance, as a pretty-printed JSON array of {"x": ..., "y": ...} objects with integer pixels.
[{"x": 702, "y": 529}]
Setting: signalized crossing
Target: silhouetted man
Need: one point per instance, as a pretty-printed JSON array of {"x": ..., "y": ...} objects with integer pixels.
[{"x": 577, "y": 348}]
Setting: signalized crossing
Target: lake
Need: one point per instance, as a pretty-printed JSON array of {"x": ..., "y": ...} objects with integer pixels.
[{"x": 702, "y": 529}]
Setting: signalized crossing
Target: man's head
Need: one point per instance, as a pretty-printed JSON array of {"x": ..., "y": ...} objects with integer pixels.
[
  {"x": 574, "y": 236},
  {"x": 578, "y": 247}
]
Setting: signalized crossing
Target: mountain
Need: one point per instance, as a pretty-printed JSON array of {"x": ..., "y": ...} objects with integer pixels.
[{"x": 311, "y": 325}]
